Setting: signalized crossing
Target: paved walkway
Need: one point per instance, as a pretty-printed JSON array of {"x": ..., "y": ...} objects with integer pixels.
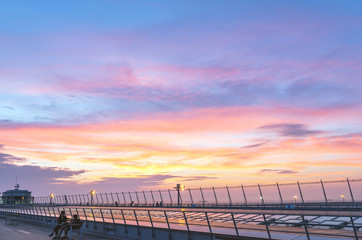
[{"x": 26, "y": 231}]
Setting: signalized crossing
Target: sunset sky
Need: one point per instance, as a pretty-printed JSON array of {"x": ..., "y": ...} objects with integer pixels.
[{"x": 131, "y": 95}]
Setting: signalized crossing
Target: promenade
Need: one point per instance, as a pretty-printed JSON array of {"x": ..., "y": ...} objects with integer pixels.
[{"x": 26, "y": 231}]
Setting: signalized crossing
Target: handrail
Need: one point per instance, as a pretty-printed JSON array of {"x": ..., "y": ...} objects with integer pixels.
[
  {"x": 229, "y": 222},
  {"x": 298, "y": 193}
]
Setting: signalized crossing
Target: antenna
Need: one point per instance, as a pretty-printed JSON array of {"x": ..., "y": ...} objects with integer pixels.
[{"x": 17, "y": 186}]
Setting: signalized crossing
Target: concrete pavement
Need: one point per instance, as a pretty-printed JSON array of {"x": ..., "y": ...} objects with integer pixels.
[{"x": 25, "y": 231}]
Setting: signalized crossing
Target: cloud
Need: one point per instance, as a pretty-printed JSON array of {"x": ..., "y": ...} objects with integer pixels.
[
  {"x": 7, "y": 107},
  {"x": 195, "y": 178},
  {"x": 277, "y": 171},
  {"x": 291, "y": 130},
  {"x": 30, "y": 177},
  {"x": 254, "y": 145},
  {"x": 7, "y": 158}
]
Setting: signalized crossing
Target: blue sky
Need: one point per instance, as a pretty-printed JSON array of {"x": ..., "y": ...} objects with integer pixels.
[{"x": 94, "y": 92}]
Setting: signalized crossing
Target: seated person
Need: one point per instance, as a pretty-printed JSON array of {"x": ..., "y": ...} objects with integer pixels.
[
  {"x": 62, "y": 219},
  {"x": 74, "y": 221}
]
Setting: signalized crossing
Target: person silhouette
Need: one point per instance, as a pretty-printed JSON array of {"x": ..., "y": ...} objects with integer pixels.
[
  {"x": 62, "y": 219},
  {"x": 66, "y": 227}
]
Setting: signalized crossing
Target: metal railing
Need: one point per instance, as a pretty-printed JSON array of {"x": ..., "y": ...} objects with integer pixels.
[
  {"x": 278, "y": 193},
  {"x": 233, "y": 223}
]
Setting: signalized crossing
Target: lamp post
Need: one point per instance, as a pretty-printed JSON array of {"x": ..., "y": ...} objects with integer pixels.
[
  {"x": 178, "y": 188},
  {"x": 92, "y": 193},
  {"x": 342, "y": 196},
  {"x": 51, "y": 198},
  {"x": 295, "y": 199}
]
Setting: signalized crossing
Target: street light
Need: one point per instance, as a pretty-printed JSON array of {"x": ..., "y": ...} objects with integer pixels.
[
  {"x": 178, "y": 188},
  {"x": 342, "y": 196},
  {"x": 51, "y": 198},
  {"x": 295, "y": 199},
  {"x": 92, "y": 192}
]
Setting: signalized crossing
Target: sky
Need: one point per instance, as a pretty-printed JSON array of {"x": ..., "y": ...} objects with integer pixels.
[{"x": 131, "y": 95}]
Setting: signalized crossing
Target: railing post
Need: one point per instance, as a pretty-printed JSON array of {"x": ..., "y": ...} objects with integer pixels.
[
  {"x": 45, "y": 212},
  {"x": 130, "y": 197},
  {"x": 261, "y": 194},
  {"x": 350, "y": 190},
  {"x": 267, "y": 226},
  {"x": 192, "y": 200},
  {"x": 246, "y": 200},
  {"x": 114, "y": 222},
  {"x": 153, "y": 199},
  {"x": 102, "y": 199},
  {"x": 54, "y": 213},
  {"x": 124, "y": 198},
  {"x": 230, "y": 201},
  {"x": 169, "y": 193},
  {"x": 70, "y": 211},
  {"x": 168, "y": 224},
  {"x": 112, "y": 198},
  {"x": 144, "y": 196},
  {"x": 85, "y": 215},
  {"x": 94, "y": 218},
  {"x": 85, "y": 200},
  {"x": 324, "y": 192},
  {"x": 138, "y": 200},
  {"x": 354, "y": 228},
  {"x": 107, "y": 199},
  {"x": 36, "y": 209},
  {"x": 202, "y": 195},
  {"x": 280, "y": 194},
  {"x": 100, "y": 210},
  {"x": 124, "y": 219},
  {"x": 216, "y": 201},
  {"x": 305, "y": 227},
  {"x": 300, "y": 192},
  {"x": 208, "y": 223},
  {"x": 235, "y": 226},
  {"x": 138, "y": 226},
  {"x": 160, "y": 195},
  {"x": 119, "y": 202},
  {"x": 125, "y": 223},
  {"x": 153, "y": 230},
  {"x": 187, "y": 225},
  {"x": 97, "y": 199}
]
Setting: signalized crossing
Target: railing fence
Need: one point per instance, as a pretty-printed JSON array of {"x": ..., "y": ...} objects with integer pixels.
[{"x": 348, "y": 190}]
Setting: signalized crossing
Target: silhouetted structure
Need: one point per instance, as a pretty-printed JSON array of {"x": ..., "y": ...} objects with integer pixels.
[{"x": 17, "y": 196}]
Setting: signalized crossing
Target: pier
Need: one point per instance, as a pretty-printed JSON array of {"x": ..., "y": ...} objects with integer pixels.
[{"x": 284, "y": 220}]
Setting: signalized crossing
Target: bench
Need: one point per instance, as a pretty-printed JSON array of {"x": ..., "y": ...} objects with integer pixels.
[
  {"x": 72, "y": 228},
  {"x": 76, "y": 226}
]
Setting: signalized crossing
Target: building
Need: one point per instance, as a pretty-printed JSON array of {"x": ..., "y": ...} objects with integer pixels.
[{"x": 17, "y": 196}]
